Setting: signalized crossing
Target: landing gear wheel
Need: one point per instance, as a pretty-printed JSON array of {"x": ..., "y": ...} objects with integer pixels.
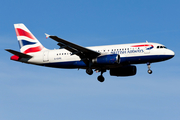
[
  {"x": 89, "y": 71},
  {"x": 100, "y": 78},
  {"x": 149, "y": 66},
  {"x": 150, "y": 71}
]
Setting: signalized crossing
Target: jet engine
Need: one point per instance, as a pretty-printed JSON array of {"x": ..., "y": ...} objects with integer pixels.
[
  {"x": 123, "y": 71},
  {"x": 107, "y": 59}
]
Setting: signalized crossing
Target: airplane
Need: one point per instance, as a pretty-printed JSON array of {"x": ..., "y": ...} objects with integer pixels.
[{"x": 118, "y": 59}]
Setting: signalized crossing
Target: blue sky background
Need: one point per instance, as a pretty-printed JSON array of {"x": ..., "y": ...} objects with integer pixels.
[{"x": 29, "y": 92}]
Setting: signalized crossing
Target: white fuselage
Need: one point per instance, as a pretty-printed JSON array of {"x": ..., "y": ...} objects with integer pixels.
[{"x": 129, "y": 54}]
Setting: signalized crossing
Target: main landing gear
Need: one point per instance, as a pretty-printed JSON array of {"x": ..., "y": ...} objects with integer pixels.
[
  {"x": 100, "y": 77},
  {"x": 149, "y": 70},
  {"x": 89, "y": 71}
]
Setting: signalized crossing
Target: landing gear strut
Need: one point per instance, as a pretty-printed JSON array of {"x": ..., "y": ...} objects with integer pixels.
[
  {"x": 149, "y": 70},
  {"x": 100, "y": 77},
  {"x": 89, "y": 71}
]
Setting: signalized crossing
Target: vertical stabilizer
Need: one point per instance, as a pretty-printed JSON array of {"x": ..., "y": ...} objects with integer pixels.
[{"x": 27, "y": 41}]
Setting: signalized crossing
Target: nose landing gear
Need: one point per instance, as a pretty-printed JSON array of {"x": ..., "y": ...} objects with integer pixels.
[{"x": 149, "y": 70}]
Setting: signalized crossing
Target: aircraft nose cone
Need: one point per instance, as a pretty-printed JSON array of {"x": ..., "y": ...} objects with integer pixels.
[
  {"x": 173, "y": 54},
  {"x": 170, "y": 53}
]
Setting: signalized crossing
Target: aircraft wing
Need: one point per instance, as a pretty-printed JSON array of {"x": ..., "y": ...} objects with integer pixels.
[{"x": 82, "y": 52}]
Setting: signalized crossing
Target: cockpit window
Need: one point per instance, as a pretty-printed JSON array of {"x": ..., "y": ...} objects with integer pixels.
[{"x": 161, "y": 47}]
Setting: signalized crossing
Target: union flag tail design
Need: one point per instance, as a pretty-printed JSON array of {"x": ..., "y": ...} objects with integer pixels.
[{"x": 27, "y": 41}]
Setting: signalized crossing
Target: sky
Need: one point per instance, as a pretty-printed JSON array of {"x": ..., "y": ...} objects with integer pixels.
[{"x": 29, "y": 92}]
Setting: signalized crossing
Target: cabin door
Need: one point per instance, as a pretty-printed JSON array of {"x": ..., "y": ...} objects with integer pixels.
[{"x": 45, "y": 56}]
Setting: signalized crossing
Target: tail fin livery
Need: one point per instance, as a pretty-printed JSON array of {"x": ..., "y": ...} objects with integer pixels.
[{"x": 27, "y": 41}]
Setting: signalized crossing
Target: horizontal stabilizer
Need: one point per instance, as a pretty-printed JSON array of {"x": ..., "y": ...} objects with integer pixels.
[{"x": 18, "y": 53}]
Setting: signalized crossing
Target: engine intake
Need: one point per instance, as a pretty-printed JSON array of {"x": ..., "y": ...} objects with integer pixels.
[
  {"x": 123, "y": 71},
  {"x": 107, "y": 59}
]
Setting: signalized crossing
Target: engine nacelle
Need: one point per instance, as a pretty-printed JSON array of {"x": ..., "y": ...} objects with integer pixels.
[
  {"x": 123, "y": 71},
  {"x": 107, "y": 59}
]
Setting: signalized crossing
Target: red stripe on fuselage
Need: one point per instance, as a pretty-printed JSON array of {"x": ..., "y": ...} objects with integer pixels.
[
  {"x": 145, "y": 45},
  {"x": 33, "y": 49},
  {"x": 20, "y": 32}
]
